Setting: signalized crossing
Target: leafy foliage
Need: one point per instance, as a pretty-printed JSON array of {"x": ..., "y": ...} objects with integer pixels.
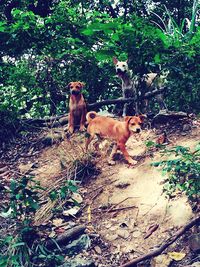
[
  {"x": 183, "y": 171},
  {"x": 44, "y": 47}
]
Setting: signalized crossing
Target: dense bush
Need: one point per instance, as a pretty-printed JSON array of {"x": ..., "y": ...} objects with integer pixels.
[{"x": 43, "y": 49}]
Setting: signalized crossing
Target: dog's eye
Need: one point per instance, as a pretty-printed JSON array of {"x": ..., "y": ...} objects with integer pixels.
[
  {"x": 133, "y": 123},
  {"x": 123, "y": 66},
  {"x": 77, "y": 87}
]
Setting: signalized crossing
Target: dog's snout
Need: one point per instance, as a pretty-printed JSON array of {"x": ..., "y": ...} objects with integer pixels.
[
  {"x": 137, "y": 130},
  {"x": 75, "y": 92}
]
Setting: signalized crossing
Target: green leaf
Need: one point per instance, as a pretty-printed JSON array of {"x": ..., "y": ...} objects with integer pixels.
[
  {"x": 157, "y": 58},
  {"x": 18, "y": 244},
  {"x": 88, "y": 32},
  {"x": 2, "y": 26}
]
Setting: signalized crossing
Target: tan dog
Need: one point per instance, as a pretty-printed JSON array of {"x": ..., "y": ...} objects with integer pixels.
[
  {"x": 119, "y": 131},
  {"x": 77, "y": 107}
]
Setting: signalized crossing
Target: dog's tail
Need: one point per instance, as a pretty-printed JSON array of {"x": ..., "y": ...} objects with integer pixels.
[{"x": 90, "y": 116}]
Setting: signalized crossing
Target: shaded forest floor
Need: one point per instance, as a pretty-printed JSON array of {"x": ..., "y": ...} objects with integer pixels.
[{"x": 118, "y": 204}]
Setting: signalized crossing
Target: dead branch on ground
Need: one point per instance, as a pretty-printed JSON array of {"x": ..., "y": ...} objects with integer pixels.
[
  {"x": 158, "y": 251},
  {"x": 69, "y": 235}
]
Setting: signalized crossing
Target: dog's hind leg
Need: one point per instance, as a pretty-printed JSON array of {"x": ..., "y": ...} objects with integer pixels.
[
  {"x": 113, "y": 152},
  {"x": 88, "y": 141},
  {"x": 96, "y": 143},
  {"x": 161, "y": 102}
]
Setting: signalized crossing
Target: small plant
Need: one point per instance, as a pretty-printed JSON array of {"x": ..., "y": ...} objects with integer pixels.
[
  {"x": 183, "y": 170},
  {"x": 24, "y": 197},
  {"x": 22, "y": 246},
  {"x": 151, "y": 144},
  {"x": 64, "y": 191}
]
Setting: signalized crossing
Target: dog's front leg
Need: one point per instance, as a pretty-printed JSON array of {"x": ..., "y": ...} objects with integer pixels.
[
  {"x": 126, "y": 154},
  {"x": 125, "y": 104},
  {"x": 146, "y": 106},
  {"x": 125, "y": 110},
  {"x": 83, "y": 119},
  {"x": 71, "y": 123}
]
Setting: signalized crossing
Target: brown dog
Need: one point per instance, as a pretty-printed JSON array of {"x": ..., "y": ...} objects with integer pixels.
[
  {"x": 77, "y": 107},
  {"x": 118, "y": 131}
]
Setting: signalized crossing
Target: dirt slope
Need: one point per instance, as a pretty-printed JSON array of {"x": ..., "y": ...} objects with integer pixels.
[{"x": 132, "y": 196}]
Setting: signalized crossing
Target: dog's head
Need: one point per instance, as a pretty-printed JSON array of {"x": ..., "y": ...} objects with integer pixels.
[
  {"x": 121, "y": 67},
  {"x": 135, "y": 123},
  {"x": 75, "y": 87}
]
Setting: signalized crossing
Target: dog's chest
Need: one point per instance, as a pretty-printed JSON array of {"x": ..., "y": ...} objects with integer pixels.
[
  {"x": 77, "y": 107},
  {"x": 128, "y": 90}
]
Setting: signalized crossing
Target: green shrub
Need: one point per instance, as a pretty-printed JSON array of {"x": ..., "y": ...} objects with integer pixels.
[{"x": 183, "y": 171}]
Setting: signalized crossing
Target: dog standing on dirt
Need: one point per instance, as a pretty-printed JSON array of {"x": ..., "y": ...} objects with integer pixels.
[
  {"x": 119, "y": 131},
  {"x": 137, "y": 87},
  {"x": 77, "y": 107}
]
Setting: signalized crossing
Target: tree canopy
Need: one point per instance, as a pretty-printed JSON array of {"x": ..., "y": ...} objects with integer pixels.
[{"x": 47, "y": 44}]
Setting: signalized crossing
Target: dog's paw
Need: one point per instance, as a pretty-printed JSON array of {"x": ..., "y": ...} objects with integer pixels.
[
  {"x": 132, "y": 162},
  {"x": 111, "y": 162},
  {"x": 82, "y": 128},
  {"x": 71, "y": 129}
]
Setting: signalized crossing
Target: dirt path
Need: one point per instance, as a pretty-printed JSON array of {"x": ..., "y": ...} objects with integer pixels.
[{"x": 141, "y": 189}]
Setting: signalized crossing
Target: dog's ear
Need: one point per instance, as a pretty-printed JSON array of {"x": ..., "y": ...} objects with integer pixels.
[
  {"x": 127, "y": 118},
  {"x": 81, "y": 84},
  {"x": 115, "y": 60},
  {"x": 68, "y": 86},
  {"x": 142, "y": 117}
]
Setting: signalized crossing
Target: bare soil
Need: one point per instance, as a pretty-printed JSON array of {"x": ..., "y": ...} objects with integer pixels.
[{"x": 122, "y": 202}]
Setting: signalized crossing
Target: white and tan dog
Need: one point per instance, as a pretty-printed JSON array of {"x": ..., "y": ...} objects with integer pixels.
[{"x": 136, "y": 86}]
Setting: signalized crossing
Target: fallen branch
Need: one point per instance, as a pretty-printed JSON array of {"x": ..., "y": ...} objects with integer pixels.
[
  {"x": 158, "y": 251},
  {"x": 122, "y": 100},
  {"x": 115, "y": 205},
  {"x": 96, "y": 105},
  {"x": 41, "y": 121},
  {"x": 166, "y": 115},
  {"x": 123, "y": 208},
  {"x": 69, "y": 235},
  {"x": 117, "y": 209},
  {"x": 151, "y": 230}
]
